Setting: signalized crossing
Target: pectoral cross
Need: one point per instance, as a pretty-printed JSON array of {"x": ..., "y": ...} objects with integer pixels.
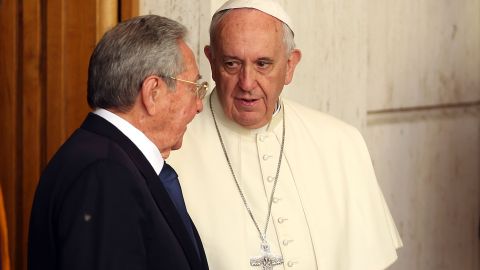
[{"x": 267, "y": 260}]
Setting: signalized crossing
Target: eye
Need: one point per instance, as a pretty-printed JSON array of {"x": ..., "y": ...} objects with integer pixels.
[
  {"x": 264, "y": 64},
  {"x": 231, "y": 65}
]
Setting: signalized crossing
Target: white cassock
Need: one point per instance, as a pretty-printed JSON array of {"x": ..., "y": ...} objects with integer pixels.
[{"x": 328, "y": 211}]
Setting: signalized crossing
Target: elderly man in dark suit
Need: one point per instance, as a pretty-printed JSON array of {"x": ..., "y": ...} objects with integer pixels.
[{"x": 107, "y": 199}]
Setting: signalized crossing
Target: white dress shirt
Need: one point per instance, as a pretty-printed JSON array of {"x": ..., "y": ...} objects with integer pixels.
[{"x": 146, "y": 146}]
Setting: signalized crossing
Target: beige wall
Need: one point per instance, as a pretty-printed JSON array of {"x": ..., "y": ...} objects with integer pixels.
[
  {"x": 194, "y": 14},
  {"x": 407, "y": 74},
  {"x": 423, "y": 126}
]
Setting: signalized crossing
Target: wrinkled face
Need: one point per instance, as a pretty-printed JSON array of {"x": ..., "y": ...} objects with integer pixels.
[
  {"x": 250, "y": 65},
  {"x": 181, "y": 105}
]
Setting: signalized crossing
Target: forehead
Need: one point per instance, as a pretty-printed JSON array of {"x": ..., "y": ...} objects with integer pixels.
[
  {"x": 249, "y": 30},
  {"x": 188, "y": 57}
]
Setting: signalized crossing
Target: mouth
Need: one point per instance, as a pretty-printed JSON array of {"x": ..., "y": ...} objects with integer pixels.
[{"x": 248, "y": 102}]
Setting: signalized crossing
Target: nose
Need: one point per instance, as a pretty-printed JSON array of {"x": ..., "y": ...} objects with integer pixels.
[
  {"x": 199, "y": 105},
  {"x": 247, "y": 80}
]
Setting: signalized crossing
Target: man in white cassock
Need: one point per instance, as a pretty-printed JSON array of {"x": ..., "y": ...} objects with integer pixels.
[{"x": 269, "y": 183}]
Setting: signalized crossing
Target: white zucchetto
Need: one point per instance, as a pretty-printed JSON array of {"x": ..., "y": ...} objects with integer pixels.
[{"x": 271, "y": 7}]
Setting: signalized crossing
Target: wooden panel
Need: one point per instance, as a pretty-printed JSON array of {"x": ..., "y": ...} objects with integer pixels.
[
  {"x": 68, "y": 52},
  {"x": 4, "y": 249},
  {"x": 129, "y": 9},
  {"x": 32, "y": 136},
  {"x": 55, "y": 54},
  {"x": 44, "y": 52},
  {"x": 107, "y": 17},
  {"x": 80, "y": 39},
  {"x": 8, "y": 112}
]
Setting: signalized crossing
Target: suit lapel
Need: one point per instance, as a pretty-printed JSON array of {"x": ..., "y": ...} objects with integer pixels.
[
  {"x": 98, "y": 125},
  {"x": 203, "y": 257}
]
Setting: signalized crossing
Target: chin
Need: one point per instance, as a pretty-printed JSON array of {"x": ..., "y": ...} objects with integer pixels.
[
  {"x": 248, "y": 122},
  {"x": 178, "y": 145},
  {"x": 165, "y": 154}
]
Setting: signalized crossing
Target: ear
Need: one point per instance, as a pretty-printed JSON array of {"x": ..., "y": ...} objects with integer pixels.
[
  {"x": 293, "y": 60},
  {"x": 151, "y": 91},
  {"x": 208, "y": 53},
  {"x": 208, "y": 50}
]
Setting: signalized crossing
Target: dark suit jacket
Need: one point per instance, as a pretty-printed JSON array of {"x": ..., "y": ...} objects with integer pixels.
[{"x": 100, "y": 205}]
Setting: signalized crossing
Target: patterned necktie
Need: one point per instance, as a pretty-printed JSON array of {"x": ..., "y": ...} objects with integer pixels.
[{"x": 169, "y": 178}]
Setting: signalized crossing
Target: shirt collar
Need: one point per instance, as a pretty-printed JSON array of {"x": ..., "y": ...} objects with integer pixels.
[{"x": 146, "y": 146}]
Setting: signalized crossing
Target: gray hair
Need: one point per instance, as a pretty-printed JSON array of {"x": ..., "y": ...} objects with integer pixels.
[
  {"x": 288, "y": 36},
  {"x": 129, "y": 53}
]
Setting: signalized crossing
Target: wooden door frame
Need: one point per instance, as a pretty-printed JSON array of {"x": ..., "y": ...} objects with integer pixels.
[{"x": 44, "y": 51}]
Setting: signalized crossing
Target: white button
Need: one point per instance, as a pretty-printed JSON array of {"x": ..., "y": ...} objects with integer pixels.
[
  {"x": 291, "y": 263},
  {"x": 262, "y": 138},
  {"x": 286, "y": 242},
  {"x": 270, "y": 178},
  {"x": 276, "y": 200},
  {"x": 266, "y": 157},
  {"x": 281, "y": 220}
]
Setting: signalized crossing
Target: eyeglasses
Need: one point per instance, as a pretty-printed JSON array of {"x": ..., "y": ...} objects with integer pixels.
[{"x": 200, "y": 88}]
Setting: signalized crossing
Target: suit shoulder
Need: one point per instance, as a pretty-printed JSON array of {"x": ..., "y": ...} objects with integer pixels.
[{"x": 78, "y": 154}]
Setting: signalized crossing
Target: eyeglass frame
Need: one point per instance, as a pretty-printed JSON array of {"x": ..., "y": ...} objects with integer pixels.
[{"x": 201, "y": 89}]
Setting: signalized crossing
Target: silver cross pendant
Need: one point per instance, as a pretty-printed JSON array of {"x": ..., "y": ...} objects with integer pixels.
[{"x": 267, "y": 260}]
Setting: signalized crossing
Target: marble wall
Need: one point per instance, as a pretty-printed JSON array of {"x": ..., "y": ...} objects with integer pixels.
[
  {"x": 428, "y": 167},
  {"x": 407, "y": 74},
  {"x": 422, "y": 128}
]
